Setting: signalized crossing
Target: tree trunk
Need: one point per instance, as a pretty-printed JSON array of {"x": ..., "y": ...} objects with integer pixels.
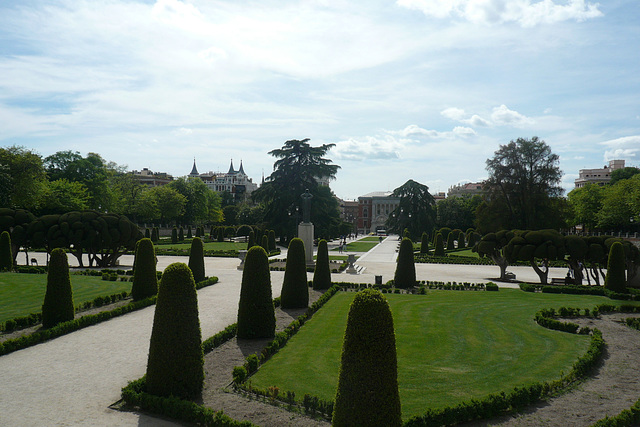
[
  {"x": 577, "y": 271},
  {"x": 501, "y": 262},
  {"x": 542, "y": 274}
]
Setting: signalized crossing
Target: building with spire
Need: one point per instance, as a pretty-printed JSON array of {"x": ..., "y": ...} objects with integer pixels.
[{"x": 236, "y": 182}]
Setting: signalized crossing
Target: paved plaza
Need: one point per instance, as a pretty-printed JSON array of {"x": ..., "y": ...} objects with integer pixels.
[{"x": 72, "y": 380}]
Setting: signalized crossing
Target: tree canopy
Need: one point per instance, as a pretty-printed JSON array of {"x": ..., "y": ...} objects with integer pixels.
[{"x": 415, "y": 211}]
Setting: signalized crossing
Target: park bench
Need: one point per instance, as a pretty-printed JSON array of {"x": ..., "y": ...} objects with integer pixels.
[{"x": 557, "y": 281}]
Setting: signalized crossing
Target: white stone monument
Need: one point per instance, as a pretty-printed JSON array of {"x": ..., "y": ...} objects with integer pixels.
[{"x": 305, "y": 228}]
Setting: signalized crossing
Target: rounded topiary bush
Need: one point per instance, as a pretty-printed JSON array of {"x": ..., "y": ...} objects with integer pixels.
[
  {"x": 424, "y": 244},
  {"x": 175, "y": 364},
  {"x": 58, "y": 299},
  {"x": 405, "y": 276},
  {"x": 322, "y": 272},
  {"x": 6, "y": 258},
  {"x": 439, "y": 246},
  {"x": 295, "y": 289},
  {"x": 145, "y": 278},
  {"x": 615, "y": 279},
  {"x": 196, "y": 259},
  {"x": 256, "y": 315},
  {"x": 367, "y": 392}
]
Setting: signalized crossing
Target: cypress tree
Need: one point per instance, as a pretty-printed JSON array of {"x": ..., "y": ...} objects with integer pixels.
[
  {"x": 252, "y": 240},
  {"x": 424, "y": 244},
  {"x": 181, "y": 234},
  {"x": 367, "y": 393},
  {"x": 272, "y": 240},
  {"x": 147, "y": 234},
  {"x": 176, "y": 362},
  {"x": 189, "y": 234},
  {"x": 196, "y": 259},
  {"x": 322, "y": 272},
  {"x": 461, "y": 242},
  {"x": 174, "y": 235},
  {"x": 295, "y": 289},
  {"x": 405, "y": 276},
  {"x": 615, "y": 279},
  {"x": 439, "y": 246},
  {"x": 256, "y": 315},
  {"x": 145, "y": 279},
  {"x": 450, "y": 242},
  {"x": 265, "y": 243},
  {"x": 58, "y": 299},
  {"x": 6, "y": 257}
]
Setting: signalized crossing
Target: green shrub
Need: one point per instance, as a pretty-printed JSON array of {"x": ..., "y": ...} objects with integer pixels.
[
  {"x": 461, "y": 240},
  {"x": 174, "y": 235},
  {"x": 252, "y": 240},
  {"x": 424, "y": 244},
  {"x": 405, "y": 276},
  {"x": 189, "y": 234},
  {"x": 367, "y": 391},
  {"x": 145, "y": 279},
  {"x": 256, "y": 315},
  {"x": 147, "y": 233},
  {"x": 451, "y": 241},
  {"x": 155, "y": 235},
  {"x": 265, "y": 243},
  {"x": 272, "y": 240},
  {"x": 6, "y": 258},
  {"x": 615, "y": 279},
  {"x": 439, "y": 246},
  {"x": 58, "y": 299},
  {"x": 239, "y": 374},
  {"x": 445, "y": 231},
  {"x": 181, "y": 234},
  {"x": 490, "y": 286},
  {"x": 196, "y": 259},
  {"x": 322, "y": 272},
  {"x": 295, "y": 291},
  {"x": 175, "y": 364}
]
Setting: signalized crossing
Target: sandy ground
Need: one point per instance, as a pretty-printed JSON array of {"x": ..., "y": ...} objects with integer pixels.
[{"x": 72, "y": 380}]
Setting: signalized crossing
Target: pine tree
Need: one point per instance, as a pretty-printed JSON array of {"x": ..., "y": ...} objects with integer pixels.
[
  {"x": 145, "y": 278},
  {"x": 367, "y": 393},
  {"x": 6, "y": 257},
  {"x": 58, "y": 299},
  {"x": 295, "y": 289},
  {"x": 176, "y": 362},
  {"x": 256, "y": 314},
  {"x": 405, "y": 276},
  {"x": 196, "y": 259},
  {"x": 322, "y": 272}
]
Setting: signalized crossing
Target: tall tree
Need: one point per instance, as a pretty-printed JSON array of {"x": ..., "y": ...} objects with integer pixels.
[
  {"x": 584, "y": 203},
  {"x": 202, "y": 205},
  {"x": 62, "y": 196},
  {"x": 24, "y": 176},
  {"x": 298, "y": 168},
  {"x": 624, "y": 173},
  {"x": 621, "y": 205},
  {"x": 416, "y": 210},
  {"x": 524, "y": 177},
  {"x": 458, "y": 211}
]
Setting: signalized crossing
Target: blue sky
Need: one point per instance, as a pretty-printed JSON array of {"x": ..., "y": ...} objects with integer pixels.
[{"x": 407, "y": 89}]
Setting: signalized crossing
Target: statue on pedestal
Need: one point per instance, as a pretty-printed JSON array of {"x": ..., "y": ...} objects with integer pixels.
[{"x": 306, "y": 206}]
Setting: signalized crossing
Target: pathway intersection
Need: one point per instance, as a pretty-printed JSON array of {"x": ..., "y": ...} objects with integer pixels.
[{"x": 72, "y": 380}]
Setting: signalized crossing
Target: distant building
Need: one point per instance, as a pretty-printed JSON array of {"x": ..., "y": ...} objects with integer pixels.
[
  {"x": 349, "y": 211},
  {"x": 468, "y": 189},
  {"x": 374, "y": 210},
  {"x": 152, "y": 179},
  {"x": 598, "y": 176},
  {"x": 236, "y": 182},
  {"x": 439, "y": 196}
]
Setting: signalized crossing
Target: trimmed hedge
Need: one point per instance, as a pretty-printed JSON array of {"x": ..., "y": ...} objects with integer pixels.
[
  {"x": 368, "y": 381},
  {"x": 145, "y": 277},
  {"x": 196, "y": 259},
  {"x": 295, "y": 290},
  {"x": 176, "y": 363},
  {"x": 256, "y": 314},
  {"x": 405, "y": 275},
  {"x": 58, "y": 299},
  {"x": 322, "y": 273},
  {"x": 6, "y": 258}
]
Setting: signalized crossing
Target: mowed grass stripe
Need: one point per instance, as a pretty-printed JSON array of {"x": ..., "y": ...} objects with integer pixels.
[
  {"x": 22, "y": 294},
  {"x": 452, "y": 346}
]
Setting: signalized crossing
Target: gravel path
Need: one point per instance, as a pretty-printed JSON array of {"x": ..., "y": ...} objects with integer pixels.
[{"x": 614, "y": 387}]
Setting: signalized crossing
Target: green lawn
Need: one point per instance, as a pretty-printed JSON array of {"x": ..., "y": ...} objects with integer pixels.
[
  {"x": 466, "y": 252},
  {"x": 359, "y": 246},
  {"x": 452, "y": 346},
  {"x": 208, "y": 246},
  {"x": 370, "y": 239},
  {"x": 22, "y": 294}
]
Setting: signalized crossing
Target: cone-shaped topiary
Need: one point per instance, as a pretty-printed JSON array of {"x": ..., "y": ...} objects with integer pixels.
[
  {"x": 450, "y": 242},
  {"x": 196, "y": 259},
  {"x": 220, "y": 234},
  {"x": 265, "y": 243},
  {"x": 272, "y": 240},
  {"x": 615, "y": 279},
  {"x": 181, "y": 234},
  {"x": 175, "y": 364},
  {"x": 322, "y": 273},
  {"x": 405, "y": 276},
  {"x": 295, "y": 289},
  {"x": 424, "y": 244},
  {"x": 461, "y": 240},
  {"x": 406, "y": 233},
  {"x": 252, "y": 240},
  {"x": 174, "y": 235},
  {"x": 145, "y": 279},
  {"x": 256, "y": 315},
  {"x": 367, "y": 392},
  {"x": 58, "y": 299},
  {"x": 6, "y": 257},
  {"x": 439, "y": 246},
  {"x": 147, "y": 233},
  {"x": 189, "y": 234}
]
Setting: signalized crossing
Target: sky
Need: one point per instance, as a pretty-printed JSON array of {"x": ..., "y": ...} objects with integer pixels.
[{"x": 408, "y": 89}]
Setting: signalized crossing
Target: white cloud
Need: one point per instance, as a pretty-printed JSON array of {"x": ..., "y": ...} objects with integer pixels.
[
  {"x": 622, "y": 148},
  {"x": 526, "y": 13},
  {"x": 369, "y": 148},
  {"x": 453, "y": 113},
  {"x": 503, "y": 116},
  {"x": 416, "y": 131},
  {"x": 463, "y": 131},
  {"x": 476, "y": 120},
  {"x": 182, "y": 132}
]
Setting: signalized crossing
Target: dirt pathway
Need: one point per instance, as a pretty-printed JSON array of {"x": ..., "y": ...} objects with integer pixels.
[{"x": 613, "y": 387}]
